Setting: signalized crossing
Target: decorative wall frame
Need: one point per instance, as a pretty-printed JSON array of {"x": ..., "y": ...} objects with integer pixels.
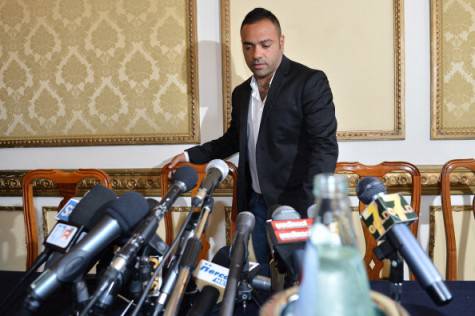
[
  {"x": 355, "y": 71},
  {"x": 452, "y": 80},
  {"x": 98, "y": 73}
]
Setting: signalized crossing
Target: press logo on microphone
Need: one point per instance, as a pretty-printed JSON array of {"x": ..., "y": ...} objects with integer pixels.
[
  {"x": 211, "y": 273},
  {"x": 385, "y": 211},
  {"x": 291, "y": 224},
  {"x": 295, "y": 235},
  {"x": 68, "y": 208}
]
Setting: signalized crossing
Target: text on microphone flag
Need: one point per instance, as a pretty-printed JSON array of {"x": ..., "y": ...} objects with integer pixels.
[
  {"x": 385, "y": 211},
  {"x": 290, "y": 224},
  {"x": 293, "y": 235}
]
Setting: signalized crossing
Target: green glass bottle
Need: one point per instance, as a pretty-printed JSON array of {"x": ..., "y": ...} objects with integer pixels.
[{"x": 334, "y": 278}]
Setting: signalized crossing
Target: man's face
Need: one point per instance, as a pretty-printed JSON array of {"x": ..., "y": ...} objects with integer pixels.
[{"x": 262, "y": 47}]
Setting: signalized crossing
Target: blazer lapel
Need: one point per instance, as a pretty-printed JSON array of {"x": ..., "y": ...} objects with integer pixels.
[
  {"x": 274, "y": 91},
  {"x": 244, "y": 110}
]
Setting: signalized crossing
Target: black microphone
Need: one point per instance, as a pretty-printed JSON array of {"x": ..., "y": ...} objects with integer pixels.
[
  {"x": 386, "y": 217},
  {"x": 184, "y": 179},
  {"x": 222, "y": 258},
  {"x": 73, "y": 219},
  {"x": 95, "y": 199},
  {"x": 244, "y": 226},
  {"x": 216, "y": 171},
  {"x": 287, "y": 234},
  {"x": 121, "y": 215}
]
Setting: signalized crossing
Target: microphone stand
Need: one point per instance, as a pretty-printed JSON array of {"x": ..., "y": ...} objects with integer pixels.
[
  {"x": 171, "y": 278},
  {"x": 386, "y": 250},
  {"x": 168, "y": 255},
  {"x": 188, "y": 264},
  {"x": 237, "y": 285}
]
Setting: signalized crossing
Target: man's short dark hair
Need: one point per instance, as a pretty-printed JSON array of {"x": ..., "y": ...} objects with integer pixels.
[{"x": 259, "y": 14}]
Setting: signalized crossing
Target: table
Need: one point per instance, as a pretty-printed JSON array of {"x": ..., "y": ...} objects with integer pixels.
[{"x": 414, "y": 298}]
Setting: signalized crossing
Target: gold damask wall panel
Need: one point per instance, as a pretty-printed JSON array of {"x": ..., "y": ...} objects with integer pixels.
[
  {"x": 88, "y": 72},
  {"x": 453, "y": 69}
]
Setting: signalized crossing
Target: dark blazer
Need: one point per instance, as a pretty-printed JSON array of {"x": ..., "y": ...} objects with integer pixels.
[{"x": 296, "y": 141}]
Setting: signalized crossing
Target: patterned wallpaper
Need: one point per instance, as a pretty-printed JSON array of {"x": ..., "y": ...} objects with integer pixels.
[
  {"x": 458, "y": 63},
  {"x": 97, "y": 72}
]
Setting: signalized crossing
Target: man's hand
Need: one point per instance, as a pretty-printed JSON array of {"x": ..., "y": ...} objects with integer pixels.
[{"x": 177, "y": 159}]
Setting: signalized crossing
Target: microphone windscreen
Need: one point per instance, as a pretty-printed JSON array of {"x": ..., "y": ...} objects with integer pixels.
[
  {"x": 222, "y": 257},
  {"x": 284, "y": 212},
  {"x": 368, "y": 187},
  {"x": 128, "y": 210},
  {"x": 85, "y": 212},
  {"x": 187, "y": 175},
  {"x": 220, "y": 165},
  {"x": 245, "y": 222}
]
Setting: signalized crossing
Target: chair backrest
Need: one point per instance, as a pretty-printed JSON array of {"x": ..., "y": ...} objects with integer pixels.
[
  {"x": 374, "y": 266},
  {"x": 451, "y": 259},
  {"x": 67, "y": 184},
  {"x": 201, "y": 171}
]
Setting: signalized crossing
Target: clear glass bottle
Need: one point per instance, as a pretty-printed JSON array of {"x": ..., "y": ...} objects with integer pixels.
[{"x": 334, "y": 277}]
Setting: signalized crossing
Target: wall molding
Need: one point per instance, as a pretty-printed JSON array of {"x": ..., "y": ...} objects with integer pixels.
[{"x": 147, "y": 182}]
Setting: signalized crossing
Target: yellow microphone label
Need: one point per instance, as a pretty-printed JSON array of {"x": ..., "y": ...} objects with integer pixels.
[{"x": 385, "y": 211}]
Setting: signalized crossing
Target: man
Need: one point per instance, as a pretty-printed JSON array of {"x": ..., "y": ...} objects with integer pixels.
[{"x": 282, "y": 124}]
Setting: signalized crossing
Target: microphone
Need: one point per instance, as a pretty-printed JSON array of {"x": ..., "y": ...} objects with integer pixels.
[
  {"x": 386, "y": 216},
  {"x": 121, "y": 215},
  {"x": 73, "y": 219},
  {"x": 215, "y": 273},
  {"x": 185, "y": 179},
  {"x": 210, "y": 279},
  {"x": 216, "y": 171},
  {"x": 187, "y": 265},
  {"x": 76, "y": 217},
  {"x": 287, "y": 234},
  {"x": 284, "y": 212},
  {"x": 85, "y": 212},
  {"x": 244, "y": 226}
]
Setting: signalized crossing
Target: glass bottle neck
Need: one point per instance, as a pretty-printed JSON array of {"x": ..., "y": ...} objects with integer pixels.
[{"x": 334, "y": 212}]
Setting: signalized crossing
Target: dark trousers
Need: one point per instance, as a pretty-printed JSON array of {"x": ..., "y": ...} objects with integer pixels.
[{"x": 258, "y": 207}]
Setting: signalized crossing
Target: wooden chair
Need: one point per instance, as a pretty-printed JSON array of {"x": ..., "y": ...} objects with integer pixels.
[
  {"x": 201, "y": 171},
  {"x": 374, "y": 266},
  {"x": 67, "y": 185},
  {"x": 451, "y": 259}
]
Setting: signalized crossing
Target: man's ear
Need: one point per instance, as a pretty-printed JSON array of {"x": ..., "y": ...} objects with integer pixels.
[{"x": 282, "y": 41}]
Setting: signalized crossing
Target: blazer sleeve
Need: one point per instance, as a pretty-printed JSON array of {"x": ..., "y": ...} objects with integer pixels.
[
  {"x": 222, "y": 147},
  {"x": 320, "y": 125}
]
